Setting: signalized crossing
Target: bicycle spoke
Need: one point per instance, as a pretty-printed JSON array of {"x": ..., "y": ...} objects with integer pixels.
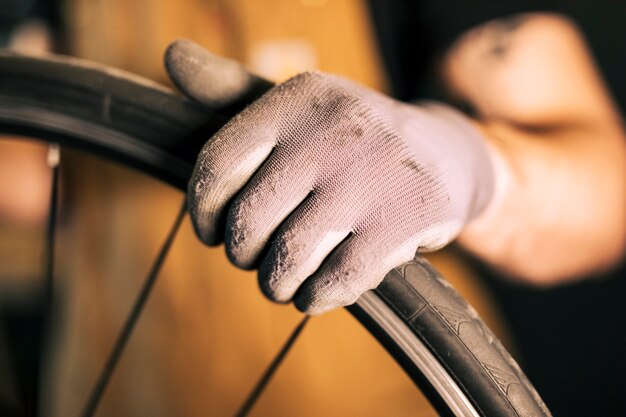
[
  {"x": 47, "y": 290},
  {"x": 271, "y": 369},
  {"x": 132, "y": 318},
  {"x": 54, "y": 159}
]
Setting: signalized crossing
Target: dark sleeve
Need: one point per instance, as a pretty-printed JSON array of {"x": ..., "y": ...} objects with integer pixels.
[
  {"x": 411, "y": 33},
  {"x": 446, "y": 20}
]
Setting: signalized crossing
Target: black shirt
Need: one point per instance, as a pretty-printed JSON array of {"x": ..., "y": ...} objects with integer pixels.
[{"x": 411, "y": 33}]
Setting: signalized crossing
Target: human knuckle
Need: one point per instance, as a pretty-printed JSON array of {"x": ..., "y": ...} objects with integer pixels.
[
  {"x": 318, "y": 85},
  {"x": 307, "y": 78}
]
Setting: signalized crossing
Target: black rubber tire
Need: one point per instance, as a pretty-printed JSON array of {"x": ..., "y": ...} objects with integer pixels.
[{"x": 428, "y": 328}]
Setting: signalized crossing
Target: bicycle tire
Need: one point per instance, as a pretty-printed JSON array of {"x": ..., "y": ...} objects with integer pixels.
[{"x": 431, "y": 331}]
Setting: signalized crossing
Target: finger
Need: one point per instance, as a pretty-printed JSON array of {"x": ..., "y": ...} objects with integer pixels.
[
  {"x": 216, "y": 82},
  {"x": 356, "y": 266},
  {"x": 302, "y": 243},
  {"x": 275, "y": 191},
  {"x": 226, "y": 163}
]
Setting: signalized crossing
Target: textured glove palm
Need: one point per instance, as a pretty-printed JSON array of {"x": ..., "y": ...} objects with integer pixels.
[{"x": 324, "y": 185}]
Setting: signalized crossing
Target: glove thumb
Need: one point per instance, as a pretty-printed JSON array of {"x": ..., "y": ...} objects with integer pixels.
[{"x": 213, "y": 81}]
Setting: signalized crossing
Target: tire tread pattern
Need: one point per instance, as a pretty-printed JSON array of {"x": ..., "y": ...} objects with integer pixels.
[{"x": 454, "y": 332}]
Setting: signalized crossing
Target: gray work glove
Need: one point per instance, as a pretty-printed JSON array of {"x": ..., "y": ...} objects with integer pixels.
[{"x": 325, "y": 185}]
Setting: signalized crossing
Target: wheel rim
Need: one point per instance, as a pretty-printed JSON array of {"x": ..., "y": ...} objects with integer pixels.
[{"x": 172, "y": 160}]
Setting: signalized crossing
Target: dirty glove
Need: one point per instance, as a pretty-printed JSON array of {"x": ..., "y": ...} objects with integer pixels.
[{"x": 325, "y": 185}]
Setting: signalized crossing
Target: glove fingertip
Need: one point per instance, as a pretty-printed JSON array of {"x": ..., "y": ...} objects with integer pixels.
[
  {"x": 310, "y": 307},
  {"x": 314, "y": 310},
  {"x": 207, "y": 236},
  {"x": 211, "y": 80},
  {"x": 203, "y": 228}
]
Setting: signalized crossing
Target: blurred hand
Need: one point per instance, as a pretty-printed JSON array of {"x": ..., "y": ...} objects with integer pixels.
[{"x": 324, "y": 185}]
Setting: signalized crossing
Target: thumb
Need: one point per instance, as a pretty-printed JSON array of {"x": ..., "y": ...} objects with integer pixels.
[{"x": 216, "y": 82}]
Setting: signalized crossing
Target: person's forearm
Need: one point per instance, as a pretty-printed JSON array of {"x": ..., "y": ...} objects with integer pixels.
[
  {"x": 558, "y": 211},
  {"x": 558, "y": 148}
]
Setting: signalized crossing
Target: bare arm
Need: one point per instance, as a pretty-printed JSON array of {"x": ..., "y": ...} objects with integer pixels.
[{"x": 558, "y": 144}]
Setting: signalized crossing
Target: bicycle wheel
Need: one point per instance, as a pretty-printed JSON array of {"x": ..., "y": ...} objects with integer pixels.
[{"x": 424, "y": 324}]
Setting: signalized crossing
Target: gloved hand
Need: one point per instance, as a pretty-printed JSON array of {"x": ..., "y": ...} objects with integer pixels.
[{"x": 325, "y": 185}]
